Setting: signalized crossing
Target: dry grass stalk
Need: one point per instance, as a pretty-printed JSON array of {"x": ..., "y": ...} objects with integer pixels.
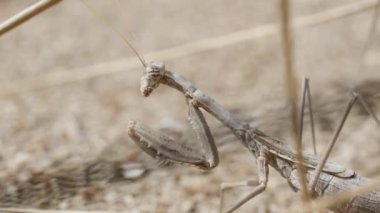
[
  {"x": 291, "y": 91},
  {"x": 26, "y": 14}
]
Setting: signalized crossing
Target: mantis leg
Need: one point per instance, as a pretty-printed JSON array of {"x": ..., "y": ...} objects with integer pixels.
[
  {"x": 306, "y": 94},
  {"x": 355, "y": 97},
  {"x": 367, "y": 107},
  {"x": 331, "y": 144},
  {"x": 259, "y": 186},
  {"x": 164, "y": 148}
]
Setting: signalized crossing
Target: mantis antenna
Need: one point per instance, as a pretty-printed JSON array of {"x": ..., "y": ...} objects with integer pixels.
[{"x": 107, "y": 23}]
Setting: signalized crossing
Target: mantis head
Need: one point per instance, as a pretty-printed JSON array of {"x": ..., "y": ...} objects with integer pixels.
[{"x": 153, "y": 74}]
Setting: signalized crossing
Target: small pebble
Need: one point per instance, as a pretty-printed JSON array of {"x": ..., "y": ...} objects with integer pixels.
[{"x": 134, "y": 171}]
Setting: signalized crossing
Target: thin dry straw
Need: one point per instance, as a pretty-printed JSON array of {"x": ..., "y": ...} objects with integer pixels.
[
  {"x": 61, "y": 77},
  {"x": 25, "y": 15},
  {"x": 291, "y": 92},
  {"x": 291, "y": 88}
]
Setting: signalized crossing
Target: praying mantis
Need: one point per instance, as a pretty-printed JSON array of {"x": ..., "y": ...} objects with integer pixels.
[
  {"x": 323, "y": 178},
  {"x": 267, "y": 150}
]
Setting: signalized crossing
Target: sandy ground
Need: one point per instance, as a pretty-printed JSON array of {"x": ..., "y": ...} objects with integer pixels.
[{"x": 69, "y": 123}]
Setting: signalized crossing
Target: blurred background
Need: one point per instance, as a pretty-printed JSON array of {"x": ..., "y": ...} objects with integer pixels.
[{"x": 69, "y": 86}]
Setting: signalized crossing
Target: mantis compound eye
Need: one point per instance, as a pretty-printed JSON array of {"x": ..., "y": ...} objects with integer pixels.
[{"x": 151, "y": 78}]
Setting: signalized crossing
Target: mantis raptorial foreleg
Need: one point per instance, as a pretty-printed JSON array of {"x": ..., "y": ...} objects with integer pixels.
[
  {"x": 199, "y": 124},
  {"x": 151, "y": 141}
]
